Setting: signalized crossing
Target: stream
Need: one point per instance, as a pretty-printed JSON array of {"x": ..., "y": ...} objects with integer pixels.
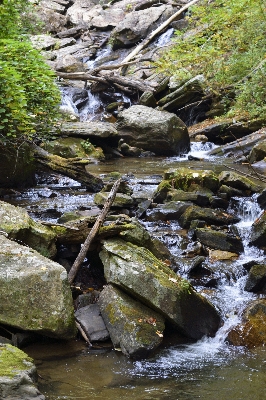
[{"x": 207, "y": 369}]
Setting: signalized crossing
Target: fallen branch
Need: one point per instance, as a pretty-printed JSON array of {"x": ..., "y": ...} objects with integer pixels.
[
  {"x": 152, "y": 35},
  {"x": 82, "y": 254}
]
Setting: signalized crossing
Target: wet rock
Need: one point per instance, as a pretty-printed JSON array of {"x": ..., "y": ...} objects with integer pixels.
[
  {"x": 18, "y": 225},
  {"x": 74, "y": 147},
  {"x": 34, "y": 292},
  {"x": 193, "y": 197},
  {"x": 91, "y": 321},
  {"x": 133, "y": 327},
  {"x": 230, "y": 192},
  {"x": 138, "y": 24},
  {"x": 160, "y": 132},
  {"x": 256, "y": 281},
  {"x": 219, "y": 240},
  {"x": 100, "y": 130},
  {"x": 145, "y": 277},
  {"x": 210, "y": 216},
  {"x": 258, "y": 232},
  {"x": 184, "y": 178},
  {"x": 252, "y": 332},
  {"x": 169, "y": 211},
  {"x": 237, "y": 181},
  {"x": 219, "y": 255},
  {"x": 261, "y": 199},
  {"x": 18, "y": 375},
  {"x": 190, "y": 92},
  {"x": 130, "y": 151},
  {"x": 121, "y": 200}
]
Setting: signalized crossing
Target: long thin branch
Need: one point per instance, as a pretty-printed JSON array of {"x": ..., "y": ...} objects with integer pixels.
[
  {"x": 152, "y": 35},
  {"x": 82, "y": 254}
]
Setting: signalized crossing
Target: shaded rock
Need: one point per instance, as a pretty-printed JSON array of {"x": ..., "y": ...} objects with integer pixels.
[
  {"x": 258, "y": 232},
  {"x": 230, "y": 192},
  {"x": 256, "y": 281},
  {"x": 34, "y": 292},
  {"x": 160, "y": 132},
  {"x": 193, "y": 197},
  {"x": 133, "y": 327},
  {"x": 219, "y": 240},
  {"x": 237, "y": 181},
  {"x": 18, "y": 375},
  {"x": 258, "y": 152},
  {"x": 20, "y": 173},
  {"x": 261, "y": 199},
  {"x": 148, "y": 99},
  {"x": 169, "y": 211},
  {"x": 89, "y": 130},
  {"x": 190, "y": 92},
  {"x": 138, "y": 24},
  {"x": 138, "y": 272},
  {"x": 91, "y": 321},
  {"x": 208, "y": 215},
  {"x": 18, "y": 225},
  {"x": 252, "y": 332},
  {"x": 183, "y": 178}
]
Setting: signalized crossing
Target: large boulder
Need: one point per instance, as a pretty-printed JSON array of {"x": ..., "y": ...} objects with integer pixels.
[
  {"x": 137, "y": 271},
  {"x": 34, "y": 292},
  {"x": 74, "y": 147},
  {"x": 138, "y": 24},
  {"x": 82, "y": 11},
  {"x": 133, "y": 327},
  {"x": 252, "y": 332},
  {"x": 158, "y": 131},
  {"x": 18, "y": 375},
  {"x": 18, "y": 225},
  {"x": 183, "y": 178},
  {"x": 100, "y": 130}
]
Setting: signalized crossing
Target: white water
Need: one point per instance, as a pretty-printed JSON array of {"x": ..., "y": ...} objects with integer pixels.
[
  {"x": 198, "y": 150},
  {"x": 164, "y": 38},
  {"x": 230, "y": 298}
]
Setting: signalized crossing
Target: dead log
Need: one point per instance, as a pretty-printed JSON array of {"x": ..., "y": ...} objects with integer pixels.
[
  {"x": 75, "y": 168},
  {"x": 142, "y": 86},
  {"x": 152, "y": 35},
  {"x": 82, "y": 254}
]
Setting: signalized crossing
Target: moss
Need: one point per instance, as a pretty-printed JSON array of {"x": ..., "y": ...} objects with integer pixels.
[{"x": 12, "y": 361}]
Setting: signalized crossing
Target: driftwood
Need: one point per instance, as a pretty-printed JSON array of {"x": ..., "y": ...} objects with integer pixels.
[
  {"x": 82, "y": 254},
  {"x": 152, "y": 35},
  {"x": 142, "y": 86},
  {"x": 74, "y": 168}
]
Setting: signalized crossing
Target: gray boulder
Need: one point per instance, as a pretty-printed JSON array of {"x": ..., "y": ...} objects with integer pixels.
[
  {"x": 258, "y": 152},
  {"x": 137, "y": 271},
  {"x": 34, "y": 292},
  {"x": 18, "y": 375},
  {"x": 133, "y": 327},
  {"x": 100, "y": 130},
  {"x": 158, "y": 131},
  {"x": 18, "y": 225},
  {"x": 219, "y": 240},
  {"x": 91, "y": 321},
  {"x": 138, "y": 24},
  {"x": 258, "y": 232},
  {"x": 83, "y": 11}
]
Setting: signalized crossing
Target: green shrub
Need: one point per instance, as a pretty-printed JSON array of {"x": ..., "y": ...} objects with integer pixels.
[{"x": 227, "y": 45}]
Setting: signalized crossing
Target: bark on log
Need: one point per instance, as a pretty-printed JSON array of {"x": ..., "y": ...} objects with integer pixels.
[
  {"x": 82, "y": 254},
  {"x": 74, "y": 168},
  {"x": 142, "y": 86},
  {"x": 152, "y": 35}
]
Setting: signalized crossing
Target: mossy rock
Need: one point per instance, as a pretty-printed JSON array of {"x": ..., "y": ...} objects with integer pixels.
[
  {"x": 133, "y": 327},
  {"x": 237, "y": 181},
  {"x": 183, "y": 178},
  {"x": 74, "y": 147},
  {"x": 138, "y": 272},
  {"x": 18, "y": 225},
  {"x": 121, "y": 200},
  {"x": 256, "y": 281},
  {"x": 219, "y": 240}
]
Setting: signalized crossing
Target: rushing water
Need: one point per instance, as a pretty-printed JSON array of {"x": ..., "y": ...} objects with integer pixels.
[{"x": 207, "y": 369}]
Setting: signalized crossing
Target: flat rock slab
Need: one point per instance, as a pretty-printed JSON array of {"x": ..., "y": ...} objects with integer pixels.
[
  {"x": 138, "y": 272},
  {"x": 34, "y": 292},
  {"x": 91, "y": 321},
  {"x": 133, "y": 327}
]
